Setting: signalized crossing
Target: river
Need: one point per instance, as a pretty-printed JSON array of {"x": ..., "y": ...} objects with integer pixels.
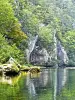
[{"x": 49, "y": 84}]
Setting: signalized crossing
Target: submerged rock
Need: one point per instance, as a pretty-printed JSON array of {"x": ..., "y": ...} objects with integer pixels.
[{"x": 33, "y": 69}]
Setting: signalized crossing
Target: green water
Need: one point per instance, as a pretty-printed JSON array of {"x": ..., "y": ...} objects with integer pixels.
[{"x": 49, "y": 84}]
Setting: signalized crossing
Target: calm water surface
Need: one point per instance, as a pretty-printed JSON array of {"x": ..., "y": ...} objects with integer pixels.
[{"x": 49, "y": 84}]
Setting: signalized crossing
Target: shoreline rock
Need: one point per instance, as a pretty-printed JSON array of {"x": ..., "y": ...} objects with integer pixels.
[{"x": 5, "y": 68}]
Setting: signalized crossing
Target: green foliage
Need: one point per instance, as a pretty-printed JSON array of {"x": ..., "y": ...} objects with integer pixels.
[
  {"x": 69, "y": 38},
  {"x": 30, "y": 23},
  {"x": 45, "y": 33},
  {"x": 9, "y": 25},
  {"x": 69, "y": 43},
  {"x": 7, "y": 51},
  {"x": 35, "y": 13},
  {"x": 71, "y": 62},
  {"x": 30, "y": 15},
  {"x": 11, "y": 34}
]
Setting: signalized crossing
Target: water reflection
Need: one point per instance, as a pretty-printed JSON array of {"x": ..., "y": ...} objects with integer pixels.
[
  {"x": 9, "y": 80},
  {"x": 50, "y": 84},
  {"x": 53, "y": 79},
  {"x": 31, "y": 86},
  {"x": 60, "y": 79}
]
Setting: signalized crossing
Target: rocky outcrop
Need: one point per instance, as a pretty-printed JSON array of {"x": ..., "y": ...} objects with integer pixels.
[
  {"x": 31, "y": 45},
  {"x": 12, "y": 67},
  {"x": 5, "y": 68},
  {"x": 40, "y": 55},
  {"x": 62, "y": 55}
]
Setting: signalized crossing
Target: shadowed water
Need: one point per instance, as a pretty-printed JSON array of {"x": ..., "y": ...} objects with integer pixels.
[{"x": 49, "y": 84}]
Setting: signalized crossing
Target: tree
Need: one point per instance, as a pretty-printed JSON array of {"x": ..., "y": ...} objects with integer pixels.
[{"x": 9, "y": 24}]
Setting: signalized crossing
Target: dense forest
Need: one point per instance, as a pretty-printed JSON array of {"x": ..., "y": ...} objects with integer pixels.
[{"x": 23, "y": 21}]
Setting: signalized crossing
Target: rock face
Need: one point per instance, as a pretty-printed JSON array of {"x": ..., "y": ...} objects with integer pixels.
[
  {"x": 38, "y": 54},
  {"x": 62, "y": 55},
  {"x": 31, "y": 46}
]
